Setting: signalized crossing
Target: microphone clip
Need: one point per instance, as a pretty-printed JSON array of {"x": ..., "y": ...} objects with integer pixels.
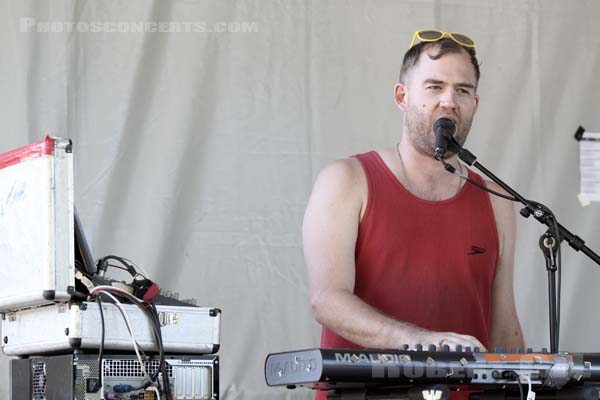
[{"x": 439, "y": 153}]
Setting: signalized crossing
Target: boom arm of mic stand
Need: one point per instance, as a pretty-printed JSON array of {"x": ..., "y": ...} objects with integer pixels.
[{"x": 541, "y": 215}]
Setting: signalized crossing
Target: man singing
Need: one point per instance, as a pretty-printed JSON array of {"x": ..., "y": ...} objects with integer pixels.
[{"x": 399, "y": 251}]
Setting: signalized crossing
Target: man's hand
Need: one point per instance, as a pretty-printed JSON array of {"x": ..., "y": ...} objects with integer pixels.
[{"x": 451, "y": 339}]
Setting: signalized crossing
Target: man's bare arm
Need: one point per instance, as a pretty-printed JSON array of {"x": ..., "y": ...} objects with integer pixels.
[
  {"x": 505, "y": 330},
  {"x": 330, "y": 232}
]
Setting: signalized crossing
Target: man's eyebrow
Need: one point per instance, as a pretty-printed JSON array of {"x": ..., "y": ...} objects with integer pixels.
[
  {"x": 433, "y": 81},
  {"x": 466, "y": 85},
  {"x": 439, "y": 82}
]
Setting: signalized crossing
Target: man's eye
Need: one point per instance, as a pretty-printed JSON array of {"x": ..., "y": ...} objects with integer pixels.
[
  {"x": 463, "y": 91},
  {"x": 434, "y": 87}
]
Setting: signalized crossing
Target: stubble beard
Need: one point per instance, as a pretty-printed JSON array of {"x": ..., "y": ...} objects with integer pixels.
[{"x": 419, "y": 128}]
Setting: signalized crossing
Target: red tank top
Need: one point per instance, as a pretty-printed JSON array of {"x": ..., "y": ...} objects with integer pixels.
[{"x": 430, "y": 263}]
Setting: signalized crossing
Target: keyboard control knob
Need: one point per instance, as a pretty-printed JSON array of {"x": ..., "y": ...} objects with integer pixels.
[
  {"x": 419, "y": 347},
  {"x": 431, "y": 347},
  {"x": 459, "y": 348}
]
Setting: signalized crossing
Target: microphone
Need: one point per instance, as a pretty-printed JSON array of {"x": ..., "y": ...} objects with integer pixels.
[{"x": 444, "y": 130}]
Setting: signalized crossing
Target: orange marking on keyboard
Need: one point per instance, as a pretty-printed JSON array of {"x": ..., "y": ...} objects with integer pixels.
[{"x": 530, "y": 357}]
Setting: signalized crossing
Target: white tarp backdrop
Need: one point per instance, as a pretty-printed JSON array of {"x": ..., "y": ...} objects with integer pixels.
[{"x": 196, "y": 144}]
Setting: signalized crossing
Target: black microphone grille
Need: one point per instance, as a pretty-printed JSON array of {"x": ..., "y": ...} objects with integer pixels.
[{"x": 445, "y": 124}]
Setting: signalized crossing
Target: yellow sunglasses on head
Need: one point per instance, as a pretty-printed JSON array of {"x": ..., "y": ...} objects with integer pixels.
[{"x": 432, "y": 35}]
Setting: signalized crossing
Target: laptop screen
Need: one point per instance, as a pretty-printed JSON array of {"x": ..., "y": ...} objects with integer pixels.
[{"x": 83, "y": 256}]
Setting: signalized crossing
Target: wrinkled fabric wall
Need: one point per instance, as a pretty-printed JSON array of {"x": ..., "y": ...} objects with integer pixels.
[{"x": 195, "y": 152}]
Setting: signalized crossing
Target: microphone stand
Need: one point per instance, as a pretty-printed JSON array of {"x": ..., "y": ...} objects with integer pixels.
[{"x": 549, "y": 242}]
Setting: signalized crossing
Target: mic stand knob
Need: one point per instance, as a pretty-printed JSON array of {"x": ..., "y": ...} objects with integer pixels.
[
  {"x": 549, "y": 246},
  {"x": 525, "y": 212}
]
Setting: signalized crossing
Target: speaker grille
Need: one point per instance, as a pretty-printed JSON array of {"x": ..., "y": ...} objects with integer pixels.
[
  {"x": 38, "y": 380},
  {"x": 130, "y": 368},
  {"x": 85, "y": 369}
]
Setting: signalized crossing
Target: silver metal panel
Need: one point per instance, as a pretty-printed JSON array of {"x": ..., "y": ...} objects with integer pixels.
[
  {"x": 192, "y": 330},
  {"x": 36, "y": 229}
]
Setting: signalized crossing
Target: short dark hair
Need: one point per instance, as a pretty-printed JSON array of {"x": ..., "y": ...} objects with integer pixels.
[{"x": 444, "y": 46}]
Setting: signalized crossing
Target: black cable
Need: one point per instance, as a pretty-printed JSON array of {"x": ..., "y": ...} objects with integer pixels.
[
  {"x": 155, "y": 324},
  {"x": 520, "y": 387},
  {"x": 101, "y": 350},
  {"x": 103, "y": 263},
  {"x": 163, "y": 367},
  {"x": 151, "y": 312},
  {"x": 117, "y": 267},
  {"x": 452, "y": 170},
  {"x": 164, "y": 370},
  {"x": 147, "y": 383},
  {"x": 152, "y": 315},
  {"x": 489, "y": 190}
]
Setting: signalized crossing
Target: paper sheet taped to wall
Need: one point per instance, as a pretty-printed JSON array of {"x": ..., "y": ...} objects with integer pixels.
[{"x": 589, "y": 165}]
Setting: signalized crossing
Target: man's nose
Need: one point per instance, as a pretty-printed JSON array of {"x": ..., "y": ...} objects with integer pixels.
[{"x": 448, "y": 99}]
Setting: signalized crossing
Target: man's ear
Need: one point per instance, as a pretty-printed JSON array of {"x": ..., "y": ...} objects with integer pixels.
[
  {"x": 400, "y": 92},
  {"x": 476, "y": 103}
]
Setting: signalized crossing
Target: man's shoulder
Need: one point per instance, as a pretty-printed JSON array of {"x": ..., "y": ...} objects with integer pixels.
[
  {"x": 343, "y": 170},
  {"x": 343, "y": 178}
]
